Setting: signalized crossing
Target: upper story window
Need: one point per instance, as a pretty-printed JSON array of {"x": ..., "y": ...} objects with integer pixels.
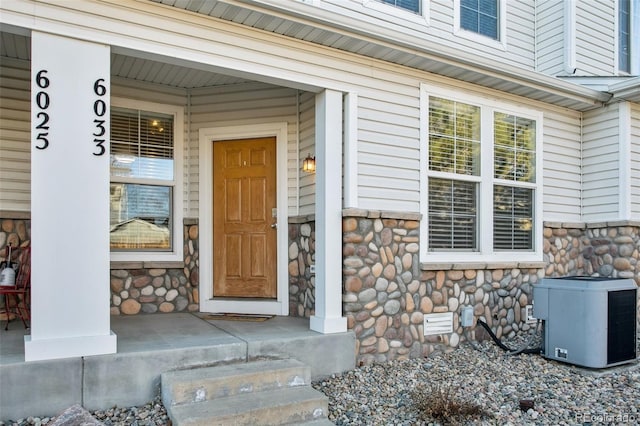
[
  {"x": 410, "y": 5},
  {"x": 144, "y": 183},
  {"x": 483, "y": 190},
  {"x": 483, "y": 21},
  {"x": 480, "y": 16},
  {"x": 624, "y": 36}
]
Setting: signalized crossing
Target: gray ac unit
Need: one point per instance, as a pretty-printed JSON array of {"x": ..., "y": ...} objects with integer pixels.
[{"x": 588, "y": 321}]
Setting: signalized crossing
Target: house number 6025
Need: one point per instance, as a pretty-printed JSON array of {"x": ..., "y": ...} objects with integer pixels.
[
  {"x": 42, "y": 104},
  {"x": 99, "y": 110}
]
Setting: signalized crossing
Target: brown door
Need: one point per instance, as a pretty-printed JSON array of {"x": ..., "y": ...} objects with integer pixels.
[{"x": 244, "y": 202}]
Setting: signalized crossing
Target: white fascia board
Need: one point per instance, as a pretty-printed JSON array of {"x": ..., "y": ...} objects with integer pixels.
[{"x": 628, "y": 89}]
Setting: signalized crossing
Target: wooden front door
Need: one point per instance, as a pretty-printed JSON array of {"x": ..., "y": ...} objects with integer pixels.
[{"x": 244, "y": 233}]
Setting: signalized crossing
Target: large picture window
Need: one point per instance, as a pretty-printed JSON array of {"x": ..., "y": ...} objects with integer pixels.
[
  {"x": 483, "y": 191},
  {"x": 142, "y": 181}
]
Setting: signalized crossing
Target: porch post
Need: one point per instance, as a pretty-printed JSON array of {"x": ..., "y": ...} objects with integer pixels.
[
  {"x": 328, "y": 317},
  {"x": 69, "y": 199}
]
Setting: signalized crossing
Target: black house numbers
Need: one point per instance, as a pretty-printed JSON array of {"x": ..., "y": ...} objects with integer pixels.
[
  {"x": 42, "y": 116},
  {"x": 43, "y": 100},
  {"x": 100, "y": 110}
]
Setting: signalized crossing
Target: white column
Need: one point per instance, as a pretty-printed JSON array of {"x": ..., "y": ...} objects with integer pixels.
[
  {"x": 351, "y": 150},
  {"x": 328, "y": 317},
  {"x": 69, "y": 199}
]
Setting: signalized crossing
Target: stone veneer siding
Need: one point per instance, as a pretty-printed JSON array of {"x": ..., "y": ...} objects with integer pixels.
[
  {"x": 14, "y": 231},
  {"x": 602, "y": 249},
  {"x": 387, "y": 291},
  {"x": 136, "y": 287},
  {"x": 301, "y": 252},
  {"x": 150, "y": 287}
]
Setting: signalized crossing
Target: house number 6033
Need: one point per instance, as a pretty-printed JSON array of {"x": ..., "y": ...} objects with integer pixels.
[
  {"x": 42, "y": 116},
  {"x": 99, "y": 111}
]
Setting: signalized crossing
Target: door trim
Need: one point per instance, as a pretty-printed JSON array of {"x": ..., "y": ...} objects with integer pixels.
[{"x": 208, "y": 303}]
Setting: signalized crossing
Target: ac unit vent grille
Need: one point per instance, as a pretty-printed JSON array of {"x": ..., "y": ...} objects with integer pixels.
[{"x": 621, "y": 330}]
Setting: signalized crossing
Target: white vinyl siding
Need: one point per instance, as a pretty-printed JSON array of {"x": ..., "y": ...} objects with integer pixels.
[
  {"x": 15, "y": 135},
  {"x": 388, "y": 150},
  {"x": 635, "y": 161},
  {"x": 562, "y": 167},
  {"x": 601, "y": 165},
  {"x": 437, "y": 27},
  {"x": 388, "y": 131},
  {"x": 550, "y": 35},
  {"x": 307, "y": 137},
  {"x": 595, "y": 37}
]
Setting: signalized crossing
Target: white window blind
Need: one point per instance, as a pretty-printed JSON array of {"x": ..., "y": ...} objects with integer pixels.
[
  {"x": 452, "y": 215},
  {"x": 410, "y": 5},
  {"x": 480, "y": 16},
  {"x": 482, "y": 190},
  {"x": 142, "y": 180},
  {"x": 454, "y": 137}
]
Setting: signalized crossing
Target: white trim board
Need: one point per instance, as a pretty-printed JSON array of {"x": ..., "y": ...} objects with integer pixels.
[{"x": 208, "y": 303}]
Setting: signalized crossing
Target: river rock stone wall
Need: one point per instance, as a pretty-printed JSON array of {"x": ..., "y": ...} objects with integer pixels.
[
  {"x": 16, "y": 232},
  {"x": 302, "y": 254},
  {"x": 601, "y": 249},
  {"x": 387, "y": 292},
  {"x": 148, "y": 287},
  {"x": 598, "y": 249}
]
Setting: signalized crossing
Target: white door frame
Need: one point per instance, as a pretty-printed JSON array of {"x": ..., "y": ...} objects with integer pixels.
[{"x": 208, "y": 302}]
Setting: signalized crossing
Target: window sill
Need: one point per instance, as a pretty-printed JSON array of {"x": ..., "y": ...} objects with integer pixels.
[
  {"x": 146, "y": 265},
  {"x": 429, "y": 266}
]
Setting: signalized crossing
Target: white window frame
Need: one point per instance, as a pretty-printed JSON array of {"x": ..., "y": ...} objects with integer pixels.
[
  {"x": 500, "y": 43},
  {"x": 385, "y": 10},
  {"x": 176, "y": 253},
  {"x": 486, "y": 179},
  {"x": 634, "y": 44}
]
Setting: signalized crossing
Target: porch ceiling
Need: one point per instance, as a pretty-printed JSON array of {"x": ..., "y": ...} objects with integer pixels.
[{"x": 17, "y": 46}]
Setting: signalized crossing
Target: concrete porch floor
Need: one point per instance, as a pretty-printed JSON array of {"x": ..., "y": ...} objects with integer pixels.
[{"x": 149, "y": 345}]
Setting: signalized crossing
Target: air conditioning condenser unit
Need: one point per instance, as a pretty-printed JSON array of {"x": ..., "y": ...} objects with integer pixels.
[{"x": 588, "y": 321}]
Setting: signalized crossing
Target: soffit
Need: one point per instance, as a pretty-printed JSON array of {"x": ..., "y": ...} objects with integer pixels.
[
  {"x": 17, "y": 46},
  {"x": 282, "y": 19}
]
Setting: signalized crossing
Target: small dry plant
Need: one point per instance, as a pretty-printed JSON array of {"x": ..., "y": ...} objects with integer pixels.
[{"x": 442, "y": 402}]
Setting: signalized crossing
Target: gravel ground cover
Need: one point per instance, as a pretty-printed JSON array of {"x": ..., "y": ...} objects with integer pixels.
[
  {"x": 484, "y": 381},
  {"x": 490, "y": 384}
]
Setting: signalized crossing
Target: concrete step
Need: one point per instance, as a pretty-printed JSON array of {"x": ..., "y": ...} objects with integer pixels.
[
  {"x": 285, "y": 406},
  {"x": 209, "y": 383},
  {"x": 273, "y": 392}
]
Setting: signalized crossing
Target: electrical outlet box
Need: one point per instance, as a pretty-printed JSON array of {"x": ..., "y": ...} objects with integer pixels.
[
  {"x": 466, "y": 317},
  {"x": 530, "y": 318}
]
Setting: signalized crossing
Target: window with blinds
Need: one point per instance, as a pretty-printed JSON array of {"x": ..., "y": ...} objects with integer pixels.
[
  {"x": 142, "y": 180},
  {"x": 512, "y": 218},
  {"x": 458, "y": 184},
  {"x": 452, "y": 215},
  {"x": 454, "y": 137},
  {"x": 410, "y": 5},
  {"x": 624, "y": 35},
  {"x": 480, "y": 16}
]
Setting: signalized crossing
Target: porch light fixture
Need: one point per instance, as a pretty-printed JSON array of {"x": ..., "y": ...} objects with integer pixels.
[{"x": 309, "y": 164}]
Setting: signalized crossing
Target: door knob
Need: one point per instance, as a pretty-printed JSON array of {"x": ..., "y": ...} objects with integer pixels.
[{"x": 274, "y": 225}]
